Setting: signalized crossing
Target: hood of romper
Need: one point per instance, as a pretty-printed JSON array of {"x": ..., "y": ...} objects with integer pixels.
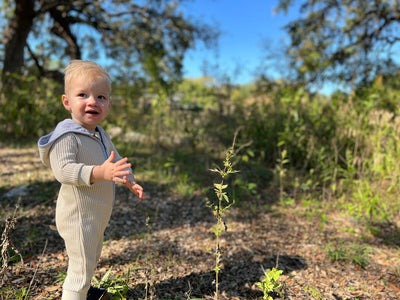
[{"x": 46, "y": 142}]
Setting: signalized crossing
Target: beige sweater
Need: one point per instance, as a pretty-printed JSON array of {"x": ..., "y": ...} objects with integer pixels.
[
  {"x": 72, "y": 152},
  {"x": 72, "y": 159}
]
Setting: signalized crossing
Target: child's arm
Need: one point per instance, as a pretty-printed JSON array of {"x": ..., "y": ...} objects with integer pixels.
[
  {"x": 111, "y": 171},
  {"x": 64, "y": 164}
]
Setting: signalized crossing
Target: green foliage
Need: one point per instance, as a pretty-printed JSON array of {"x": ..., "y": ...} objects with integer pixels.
[
  {"x": 140, "y": 40},
  {"x": 341, "y": 40},
  {"x": 197, "y": 93},
  {"x": 118, "y": 286},
  {"x": 314, "y": 292},
  {"x": 269, "y": 282},
  {"x": 30, "y": 107},
  {"x": 354, "y": 253},
  {"x": 306, "y": 146},
  {"x": 368, "y": 205},
  {"x": 18, "y": 294},
  {"x": 60, "y": 277}
]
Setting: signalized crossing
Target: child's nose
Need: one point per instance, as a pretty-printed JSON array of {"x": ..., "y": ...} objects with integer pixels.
[{"x": 92, "y": 100}]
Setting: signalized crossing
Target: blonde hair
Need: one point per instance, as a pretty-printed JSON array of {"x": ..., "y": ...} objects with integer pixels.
[{"x": 84, "y": 67}]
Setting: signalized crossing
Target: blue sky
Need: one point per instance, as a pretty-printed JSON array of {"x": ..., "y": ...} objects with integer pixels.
[{"x": 247, "y": 26}]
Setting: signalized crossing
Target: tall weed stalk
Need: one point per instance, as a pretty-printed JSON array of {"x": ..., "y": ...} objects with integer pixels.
[{"x": 221, "y": 206}]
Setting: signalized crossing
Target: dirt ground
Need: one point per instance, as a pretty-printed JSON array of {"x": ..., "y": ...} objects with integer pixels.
[{"x": 162, "y": 248}]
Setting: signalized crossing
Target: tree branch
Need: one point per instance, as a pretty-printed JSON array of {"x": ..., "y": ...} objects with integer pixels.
[{"x": 62, "y": 29}]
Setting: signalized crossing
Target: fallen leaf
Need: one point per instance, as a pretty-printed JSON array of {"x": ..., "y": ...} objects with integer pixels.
[{"x": 52, "y": 288}]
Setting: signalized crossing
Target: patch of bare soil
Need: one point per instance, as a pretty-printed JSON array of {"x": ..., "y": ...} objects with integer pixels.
[{"x": 162, "y": 248}]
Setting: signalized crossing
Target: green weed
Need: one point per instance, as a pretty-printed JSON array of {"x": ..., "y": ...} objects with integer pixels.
[
  {"x": 60, "y": 277},
  {"x": 117, "y": 286},
  {"x": 269, "y": 282},
  {"x": 18, "y": 294},
  {"x": 221, "y": 206},
  {"x": 337, "y": 254},
  {"x": 183, "y": 186},
  {"x": 360, "y": 255},
  {"x": 354, "y": 253},
  {"x": 314, "y": 292}
]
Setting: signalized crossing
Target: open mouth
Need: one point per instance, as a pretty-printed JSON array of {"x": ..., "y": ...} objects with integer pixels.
[{"x": 92, "y": 112}]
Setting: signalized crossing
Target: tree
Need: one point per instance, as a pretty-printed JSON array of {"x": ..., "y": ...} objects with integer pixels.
[
  {"x": 153, "y": 35},
  {"x": 343, "y": 40}
]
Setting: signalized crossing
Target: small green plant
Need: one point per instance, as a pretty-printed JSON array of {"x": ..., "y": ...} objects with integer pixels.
[
  {"x": 221, "y": 206},
  {"x": 314, "y": 292},
  {"x": 183, "y": 185},
  {"x": 18, "y": 294},
  {"x": 60, "y": 277},
  {"x": 357, "y": 254},
  {"x": 118, "y": 286},
  {"x": 269, "y": 282},
  {"x": 337, "y": 254},
  {"x": 360, "y": 255},
  {"x": 103, "y": 281}
]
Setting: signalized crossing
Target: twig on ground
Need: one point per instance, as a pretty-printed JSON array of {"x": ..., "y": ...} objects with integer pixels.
[
  {"x": 7, "y": 242},
  {"x": 37, "y": 267}
]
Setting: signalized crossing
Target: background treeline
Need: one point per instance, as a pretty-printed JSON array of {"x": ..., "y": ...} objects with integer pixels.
[{"x": 294, "y": 145}]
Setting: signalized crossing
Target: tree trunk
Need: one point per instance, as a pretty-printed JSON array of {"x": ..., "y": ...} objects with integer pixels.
[{"x": 15, "y": 36}]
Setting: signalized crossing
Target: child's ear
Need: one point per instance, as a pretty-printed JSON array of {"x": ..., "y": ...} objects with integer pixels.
[{"x": 65, "y": 102}]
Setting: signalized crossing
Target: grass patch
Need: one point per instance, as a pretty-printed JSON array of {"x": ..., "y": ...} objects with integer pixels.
[{"x": 353, "y": 253}]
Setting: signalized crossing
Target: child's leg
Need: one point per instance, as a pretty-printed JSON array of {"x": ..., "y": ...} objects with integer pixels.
[
  {"x": 81, "y": 225},
  {"x": 83, "y": 257},
  {"x": 83, "y": 241}
]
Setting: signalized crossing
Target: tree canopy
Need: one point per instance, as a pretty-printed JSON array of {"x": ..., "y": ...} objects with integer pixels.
[
  {"x": 343, "y": 40},
  {"x": 149, "y": 35}
]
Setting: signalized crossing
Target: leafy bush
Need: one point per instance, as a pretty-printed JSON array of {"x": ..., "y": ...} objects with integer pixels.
[{"x": 30, "y": 107}]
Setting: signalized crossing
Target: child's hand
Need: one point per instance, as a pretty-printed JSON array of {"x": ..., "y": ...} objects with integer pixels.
[
  {"x": 136, "y": 189},
  {"x": 111, "y": 171}
]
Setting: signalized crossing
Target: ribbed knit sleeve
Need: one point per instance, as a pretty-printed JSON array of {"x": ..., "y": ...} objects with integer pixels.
[{"x": 63, "y": 161}]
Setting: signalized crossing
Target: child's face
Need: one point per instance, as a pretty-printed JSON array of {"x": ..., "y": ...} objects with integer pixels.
[{"x": 88, "y": 100}]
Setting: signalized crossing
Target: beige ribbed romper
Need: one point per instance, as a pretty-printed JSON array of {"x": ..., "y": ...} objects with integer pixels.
[{"x": 83, "y": 209}]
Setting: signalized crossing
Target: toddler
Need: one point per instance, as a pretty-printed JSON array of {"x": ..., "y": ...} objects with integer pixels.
[{"x": 86, "y": 163}]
